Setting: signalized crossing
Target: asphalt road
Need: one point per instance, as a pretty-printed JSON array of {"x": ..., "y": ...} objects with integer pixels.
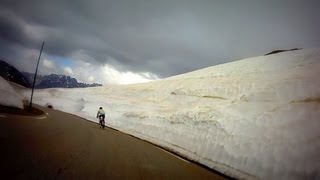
[{"x": 57, "y": 145}]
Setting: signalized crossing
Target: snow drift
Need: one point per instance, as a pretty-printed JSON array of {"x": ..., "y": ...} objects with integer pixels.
[
  {"x": 254, "y": 118},
  {"x": 8, "y": 96}
]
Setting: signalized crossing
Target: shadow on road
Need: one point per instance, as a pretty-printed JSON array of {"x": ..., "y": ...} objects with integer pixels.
[{"x": 23, "y": 112}]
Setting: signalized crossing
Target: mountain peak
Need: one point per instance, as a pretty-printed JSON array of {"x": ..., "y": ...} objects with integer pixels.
[
  {"x": 57, "y": 81},
  {"x": 10, "y": 73}
]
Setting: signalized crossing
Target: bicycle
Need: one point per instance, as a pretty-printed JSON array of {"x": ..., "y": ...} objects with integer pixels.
[{"x": 101, "y": 122}]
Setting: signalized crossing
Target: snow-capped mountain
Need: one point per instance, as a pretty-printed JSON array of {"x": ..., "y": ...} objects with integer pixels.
[
  {"x": 12, "y": 74},
  {"x": 253, "y": 118},
  {"x": 25, "y": 79},
  {"x": 57, "y": 81}
]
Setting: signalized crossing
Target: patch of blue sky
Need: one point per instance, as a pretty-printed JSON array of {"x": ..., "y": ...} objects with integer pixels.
[{"x": 62, "y": 61}]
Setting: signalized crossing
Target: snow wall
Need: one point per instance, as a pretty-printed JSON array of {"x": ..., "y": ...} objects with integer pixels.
[
  {"x": 8, "y": 96},
  {"x": 254, "y": 118}
]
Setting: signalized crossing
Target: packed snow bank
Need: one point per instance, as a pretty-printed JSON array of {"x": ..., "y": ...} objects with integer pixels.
[
  {"x": 8, "y": 96},
  {"x": 254, "y": 118}
]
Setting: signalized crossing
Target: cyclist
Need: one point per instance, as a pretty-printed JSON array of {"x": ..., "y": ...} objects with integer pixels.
[{"x": 101, "y": 116}]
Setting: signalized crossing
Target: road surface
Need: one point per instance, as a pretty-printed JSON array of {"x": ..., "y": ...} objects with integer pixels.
[{"x": 57, "y": 145}]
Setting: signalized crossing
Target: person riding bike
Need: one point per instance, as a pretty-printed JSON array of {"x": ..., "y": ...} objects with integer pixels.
[{"x": 101, "y": 116}]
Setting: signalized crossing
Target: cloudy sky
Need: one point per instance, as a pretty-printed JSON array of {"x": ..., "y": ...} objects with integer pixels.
[{"x": 128, "y": 41}]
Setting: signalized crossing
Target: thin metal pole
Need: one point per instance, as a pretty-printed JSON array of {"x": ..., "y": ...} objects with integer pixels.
[{"x": 35, "y": 76}]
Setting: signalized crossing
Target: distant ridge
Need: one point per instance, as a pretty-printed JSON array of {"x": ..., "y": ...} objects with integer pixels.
[
  {"x": 57, "y": 81},
  {"x": 10, "y": 73},
  {"x": 282, "y": 50}
]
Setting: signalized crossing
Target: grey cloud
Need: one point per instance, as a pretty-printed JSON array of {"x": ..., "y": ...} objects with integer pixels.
[{"x": 163, "y": 37}]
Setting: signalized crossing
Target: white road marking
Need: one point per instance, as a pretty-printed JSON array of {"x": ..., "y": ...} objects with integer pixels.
[
  {"x": 41, "y": 117},
  {"x": 2, "y": 116},
  {"x": 172, "y": 154}
]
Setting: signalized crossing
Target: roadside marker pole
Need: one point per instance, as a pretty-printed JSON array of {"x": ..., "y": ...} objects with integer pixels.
[{"x": 35, "y": 77}]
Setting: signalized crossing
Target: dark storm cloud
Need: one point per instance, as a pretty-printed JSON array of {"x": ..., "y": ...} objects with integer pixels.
[
  {"x": 163, "y": 37},
  {"x": 11, "y": 29}
]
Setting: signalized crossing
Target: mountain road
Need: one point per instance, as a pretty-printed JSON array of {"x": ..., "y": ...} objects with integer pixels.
[{"x": 57, "y": 145}]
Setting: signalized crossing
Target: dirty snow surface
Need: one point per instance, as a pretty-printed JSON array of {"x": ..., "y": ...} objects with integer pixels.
[
  {"x": 253, "y": 118},
  {"x": 8, "y": 96}
]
